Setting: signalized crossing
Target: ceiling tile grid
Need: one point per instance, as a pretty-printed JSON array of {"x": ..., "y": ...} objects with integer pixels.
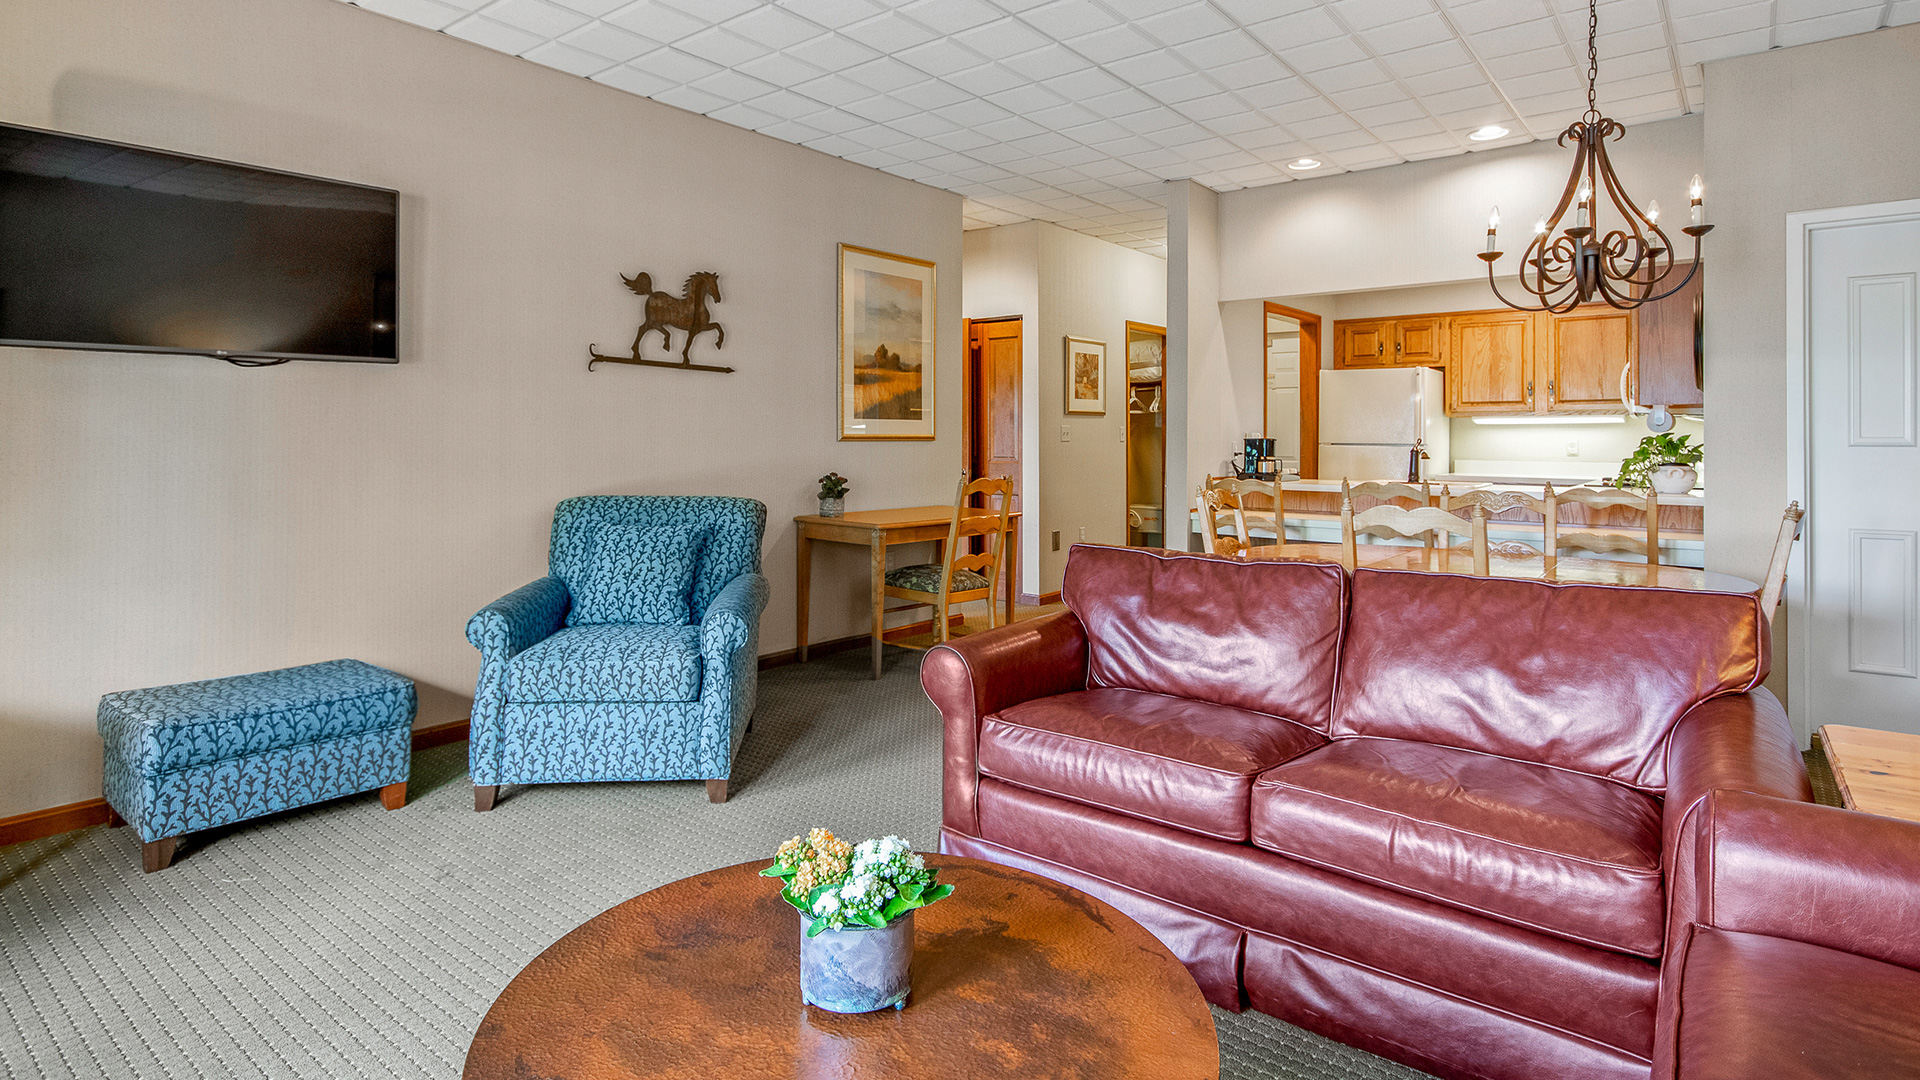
[{"x": 1076, "y": 111}]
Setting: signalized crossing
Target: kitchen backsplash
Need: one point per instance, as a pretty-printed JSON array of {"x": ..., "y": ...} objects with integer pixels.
[{"x": 1542, "y": 450}]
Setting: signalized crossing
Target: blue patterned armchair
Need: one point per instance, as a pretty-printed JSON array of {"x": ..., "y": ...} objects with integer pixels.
[{"x": 636, "y": 658}]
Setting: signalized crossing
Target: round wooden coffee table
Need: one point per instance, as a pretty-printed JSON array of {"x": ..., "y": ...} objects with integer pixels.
[{"x": 1013, "y": 975}]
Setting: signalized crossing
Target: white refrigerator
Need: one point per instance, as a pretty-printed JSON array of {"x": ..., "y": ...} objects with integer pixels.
[{"x": 1370, "y": 417}]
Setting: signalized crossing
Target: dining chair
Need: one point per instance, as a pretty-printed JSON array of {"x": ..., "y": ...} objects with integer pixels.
[
  {"x": 961, "y": 576},
  {"x": 1777, "y": 569},
  {"x": 1601, "y": 498},
  {"x": 1214, "y": 503},
  {"x": 1427, "y": 522},
  {"x": 1383, "y": 492},
  {"x": 1495, "y": 502}
]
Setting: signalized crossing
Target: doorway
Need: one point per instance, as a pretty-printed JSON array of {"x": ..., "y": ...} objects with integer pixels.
[
  {"x": 1854, "y": 614},
  {"x": 1291, "y": 404},
  {"x": 1146, "y": 435},
  {"x": 991, "y": 402}
]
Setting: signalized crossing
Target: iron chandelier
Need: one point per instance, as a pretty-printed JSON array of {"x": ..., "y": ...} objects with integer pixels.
[{"x": 1625, "y": 267}]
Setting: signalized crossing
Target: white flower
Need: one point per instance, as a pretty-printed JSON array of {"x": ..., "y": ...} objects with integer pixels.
[{"x": 828, "y": 903}]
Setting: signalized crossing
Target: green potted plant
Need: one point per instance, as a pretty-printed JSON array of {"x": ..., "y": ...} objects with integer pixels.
[
  {"x": 1665, "y": 463},
  {"x": 833, "y": 495},
  {"x": 856, "y": 905}
]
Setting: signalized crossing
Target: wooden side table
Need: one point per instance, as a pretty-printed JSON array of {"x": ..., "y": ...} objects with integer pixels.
[
  {"x": 1877, "y": 771},
  {"x": 878, "y": 530}
]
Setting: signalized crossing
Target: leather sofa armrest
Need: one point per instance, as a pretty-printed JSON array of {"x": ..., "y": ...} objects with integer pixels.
[
  {"x": 977, "y": 676},
  {"x": 1835, "y": 878}
]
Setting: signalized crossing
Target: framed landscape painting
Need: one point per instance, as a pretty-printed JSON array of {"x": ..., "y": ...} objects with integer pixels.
[
  {"x": 1086, "y": 375},
  {"x": 886, "y": 345}
]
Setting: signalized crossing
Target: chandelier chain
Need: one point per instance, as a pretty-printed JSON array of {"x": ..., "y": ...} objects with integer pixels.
[{"x": 1593, "y": 57}]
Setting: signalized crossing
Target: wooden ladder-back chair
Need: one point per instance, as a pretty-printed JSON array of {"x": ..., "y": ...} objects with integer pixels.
[
  {"x": 961, "y": 576},
  {"x": 1429, "y": 522},
  {"x": 1256, "y": 497},
  {"x": 1215, "y": 503},
  {"x": 1777, "y": 569},
  {"x": 1494, "y": 502},
  {"x": 1387, "y": 490},
  {"x": 1600, "y": 499}
]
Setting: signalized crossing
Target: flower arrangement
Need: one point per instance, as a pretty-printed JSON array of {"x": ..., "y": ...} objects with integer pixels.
[
  {"x": 1655, "y": 451},
  {"x": 834, "y": 486},
  {"x": 836, "y": 884}
]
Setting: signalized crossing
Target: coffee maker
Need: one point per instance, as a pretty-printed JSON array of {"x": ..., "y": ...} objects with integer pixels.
[{"x": 1256, "y": 462}]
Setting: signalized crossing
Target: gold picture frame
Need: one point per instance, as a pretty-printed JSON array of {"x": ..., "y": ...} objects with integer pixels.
[
  {"x": 887, "y": 321},
  {"x": 1086, "y": 371}
]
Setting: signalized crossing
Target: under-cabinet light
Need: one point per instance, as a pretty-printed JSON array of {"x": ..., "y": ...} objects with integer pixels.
[{"x": 1544, "y": 421}]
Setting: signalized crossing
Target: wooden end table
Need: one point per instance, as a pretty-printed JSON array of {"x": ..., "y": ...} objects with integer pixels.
[
  {"x": 1013, "y": 975},
  {"x": 1877, "y": 771}
]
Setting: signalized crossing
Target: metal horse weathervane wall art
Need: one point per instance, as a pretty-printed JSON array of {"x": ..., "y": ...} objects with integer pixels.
[{"x": 687, "y": 311}]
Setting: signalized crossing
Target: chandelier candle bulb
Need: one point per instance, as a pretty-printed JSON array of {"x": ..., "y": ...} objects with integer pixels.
[
  {"x": 1653, "y": 212},
  {"x": 1586, "y": 195},
  {"x": 1493, "y": 225},
  {"x": 1695, "y": 191}
]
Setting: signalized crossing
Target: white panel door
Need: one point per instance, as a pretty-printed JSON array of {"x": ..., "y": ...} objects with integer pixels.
[{"x": 1863, "y": 543}]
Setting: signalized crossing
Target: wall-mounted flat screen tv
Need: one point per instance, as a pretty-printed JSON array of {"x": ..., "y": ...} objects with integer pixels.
[{"x": 105, "y": 246}]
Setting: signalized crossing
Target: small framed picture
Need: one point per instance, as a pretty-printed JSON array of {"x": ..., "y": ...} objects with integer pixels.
[
  {"x": 886, "y": 345},
  {"x": 1086, "y": 375}
]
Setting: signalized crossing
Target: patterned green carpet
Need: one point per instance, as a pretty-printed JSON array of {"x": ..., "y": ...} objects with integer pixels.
[{"x": 344, "y": 941}]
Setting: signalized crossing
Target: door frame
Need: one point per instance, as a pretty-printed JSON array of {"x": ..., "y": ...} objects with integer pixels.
[
  {"x": 1801, "y": 227},
  {"x": 1309, "y": 387}
]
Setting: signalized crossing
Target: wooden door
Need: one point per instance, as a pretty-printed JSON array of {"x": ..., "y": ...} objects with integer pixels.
[
  {"x": 994, "y": 406},
  {"x": 1490, "y": 365},
  {"x": 1420, "y": 342},
  {"x": 1364, "y": 344},
  {"x": 1585, "y": 352}
]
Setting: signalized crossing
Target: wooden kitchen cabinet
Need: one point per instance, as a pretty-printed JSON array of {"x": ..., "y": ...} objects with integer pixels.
[
  {"x": 1585, "y": 351},
  {"x": 1363, "y": 344},
  {"x": 1667, "y": 371},
  {"x": 1418, "y": 342},
  {"x": 1492, "y": 366}
]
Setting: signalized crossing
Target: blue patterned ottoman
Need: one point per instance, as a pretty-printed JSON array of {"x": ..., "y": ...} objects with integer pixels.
[{"x": 193, "y": 756}]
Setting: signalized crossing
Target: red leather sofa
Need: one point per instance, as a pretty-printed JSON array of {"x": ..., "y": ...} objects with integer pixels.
[
  {"x": 1802, "y": 959},
  {"x": 1428, "y": 815}
]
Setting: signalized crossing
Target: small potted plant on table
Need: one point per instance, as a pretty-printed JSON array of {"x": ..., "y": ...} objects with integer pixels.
[
  {"x": 833, "y": 495},
  {"x": 856, "y": 907},
  {"x": 1665, "y": 463}
]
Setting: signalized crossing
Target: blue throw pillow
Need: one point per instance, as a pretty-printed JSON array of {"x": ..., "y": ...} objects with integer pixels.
[{"x": 635, "y": 574}]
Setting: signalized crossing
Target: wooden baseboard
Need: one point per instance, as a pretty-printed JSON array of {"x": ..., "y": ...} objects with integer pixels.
[
  {"x": 427, "y": 738},
  {"x": 855, "y": 641},
  {"x": 1041, "y": 600},
  {"x": 40, "y": 824}
]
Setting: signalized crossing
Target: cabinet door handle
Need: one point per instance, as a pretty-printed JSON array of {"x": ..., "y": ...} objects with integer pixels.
[
  {"x": 1396, "y": 348},
  {"x": 1380, "y": 348},
  {"x": 1529, "y": 389},
  {"x": 1549, "y": 389}
]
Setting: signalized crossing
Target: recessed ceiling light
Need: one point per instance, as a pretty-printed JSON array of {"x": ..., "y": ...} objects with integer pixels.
[
  {"x": 1489, "y": 133},
  {"x": 1303, "y": 164}
]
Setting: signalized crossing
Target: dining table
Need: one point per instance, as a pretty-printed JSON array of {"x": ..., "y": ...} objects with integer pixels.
[{"x": 1535, "y": 567}]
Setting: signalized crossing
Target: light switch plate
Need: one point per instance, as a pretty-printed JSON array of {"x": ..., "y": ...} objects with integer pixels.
[
  {"x": 1573, "y": 447},
  {"x": 1066, "y": 433}
]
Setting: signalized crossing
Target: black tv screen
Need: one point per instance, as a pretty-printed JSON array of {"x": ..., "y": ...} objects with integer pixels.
[{"x": 105, "y": 246}]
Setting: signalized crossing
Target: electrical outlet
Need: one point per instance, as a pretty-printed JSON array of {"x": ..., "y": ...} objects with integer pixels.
[
  {"x": 1083, "y": 532},
  {"x": 1056, "y": 539},
  {"x": 1066, "y": 433},
  {"x": 1573, "y": 447}
]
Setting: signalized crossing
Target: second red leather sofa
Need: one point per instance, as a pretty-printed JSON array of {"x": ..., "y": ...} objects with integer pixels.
[{"x": 1428, "y": 815}]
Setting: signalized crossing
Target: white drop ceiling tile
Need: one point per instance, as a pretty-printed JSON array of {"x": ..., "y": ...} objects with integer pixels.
[
  {"x": 732, "y": 86},
  {"x": 987, "y": 79},
  {"x": 568, "y": 59},
  {"x": 1082, "y": 85},
  {"x": 1239, "y": 121},
  {"x": 1253, "y": 72},
  {"x": 1152, "y": 121},
  {"x": 971, "y": 112},
  {"x": 1704, "y": 50},
  {"x": 1904, "y": 12},
  {"x": 1118, "y": 43},
  {"x": 878, "y": 107},
  {"x": 1063, "y": 117},
  {"x": 1627, "y": 42},
  {"x": 1219, "y": 50},
  {"x": 787, "y": 105},
  {"x": 941, "y": 57},
  {"x": 1011, "y": 129},
  {"x": 1725, "y": 20},
  {"x": 1542, "y": 83},
  {"x": 773, "y": 27},
  {"x": 1349, "y": 77},
  {"x": 930, "y": 94},
  {"x": 1262, "y": 138},
  {"x": 1291, "y": 113},
  {"x": 1147, "y": 67},
  {"x": 877, "y": 136},
  {"x": 1416, "y": 33},
  {"x": 889, "y": 32},
  {"x": 781, "y": 70},
  {"x": 591, "y": 8},
  {"x": 746, "y": 116},
  {"x": 1437, "y": 82},
  {"x": 1001, "y": 38},
  {"x": 1184, "y": 24},
  {"x": 983, "y": 174},
  {"x": 885, "y": 74},
  {"x": 1063, "y": 19},
  {"x": 1392, "y": 112},
  {"x": 1120, "y": 103},
  {"x": 1513, "y": 66},
  {"x": 1184, "y": 87},
  {"x": 1820, "y": 29},
  {"x": 535, "y": 17},
  {"x": 722, "y": 47},
  {"x": 1431, "y": 58},
  {"x": 1276, "y": 93},
  {"x": 1208, "y": 109},
  {"x": 1368, "y": 96},
  {"x": 1044, "y": 143},
  {"x": 712, "y": 10},
  {"x": 1319, "y": 130},
  {"x": 653, "y": 20},
  {"x": 972, "y": 142},
  {"x": 1337, "y": 52},
  {"x": 833, "y": 14},
  {"x": 1299, "y": 28},
  {"x": 792, "y": 131},
  {"x": 673, "y": 64},
  {"x": 1536, "y": 35},
  {"x": 1367, "y": 14},
  {"x": 1047, "y": 62},
  {"x": 431, "y": 14},
  {"x": 831, "y": 52},
  {"x": 634, "y": 81},
  {"x": 1799, "y": 10},
  {"x": 484, "y": 31},
  {"x": 1479, "y": 16},
  {"x": 1029, "y": 98},
  {"x": 1122, "y": 150},
  {"x": 837, "y": 145},
  {"x": 686, "y": 97},
  {"x": 833, "y": 89},
  {"x": 605, "y": 39},
  {"x": 949, "y": 16},
  {"x": 1468, "y": 99},
  {"x": 1422, "y": 128}
]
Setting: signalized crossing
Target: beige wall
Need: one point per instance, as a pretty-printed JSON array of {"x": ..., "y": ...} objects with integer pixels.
[
  {"x": 173, "y": 518},
  {"x": 1064, "y": 283},
  {"x": 1836, "y": 123}
]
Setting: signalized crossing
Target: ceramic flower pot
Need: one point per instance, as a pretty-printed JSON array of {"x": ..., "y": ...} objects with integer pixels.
[
  {"x": 858, "y": 969},
  {"x": 1673, "y": 479},
  {"x": 832, "y": 507}
]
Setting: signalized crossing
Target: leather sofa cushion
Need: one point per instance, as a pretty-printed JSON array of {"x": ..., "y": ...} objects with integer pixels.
[
  {"x": 1183, "y": 763},
  {"x": 1261, "y": 636},
  {"x": 1757, "y": 1006},
  {"x": 1557, "y": 851},
  {"x": 609, "y": 662},
  {"x": 1584, "y": 677}
]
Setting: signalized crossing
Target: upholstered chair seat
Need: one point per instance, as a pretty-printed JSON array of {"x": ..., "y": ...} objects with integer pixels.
[{"x": 925, "y": 577}]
